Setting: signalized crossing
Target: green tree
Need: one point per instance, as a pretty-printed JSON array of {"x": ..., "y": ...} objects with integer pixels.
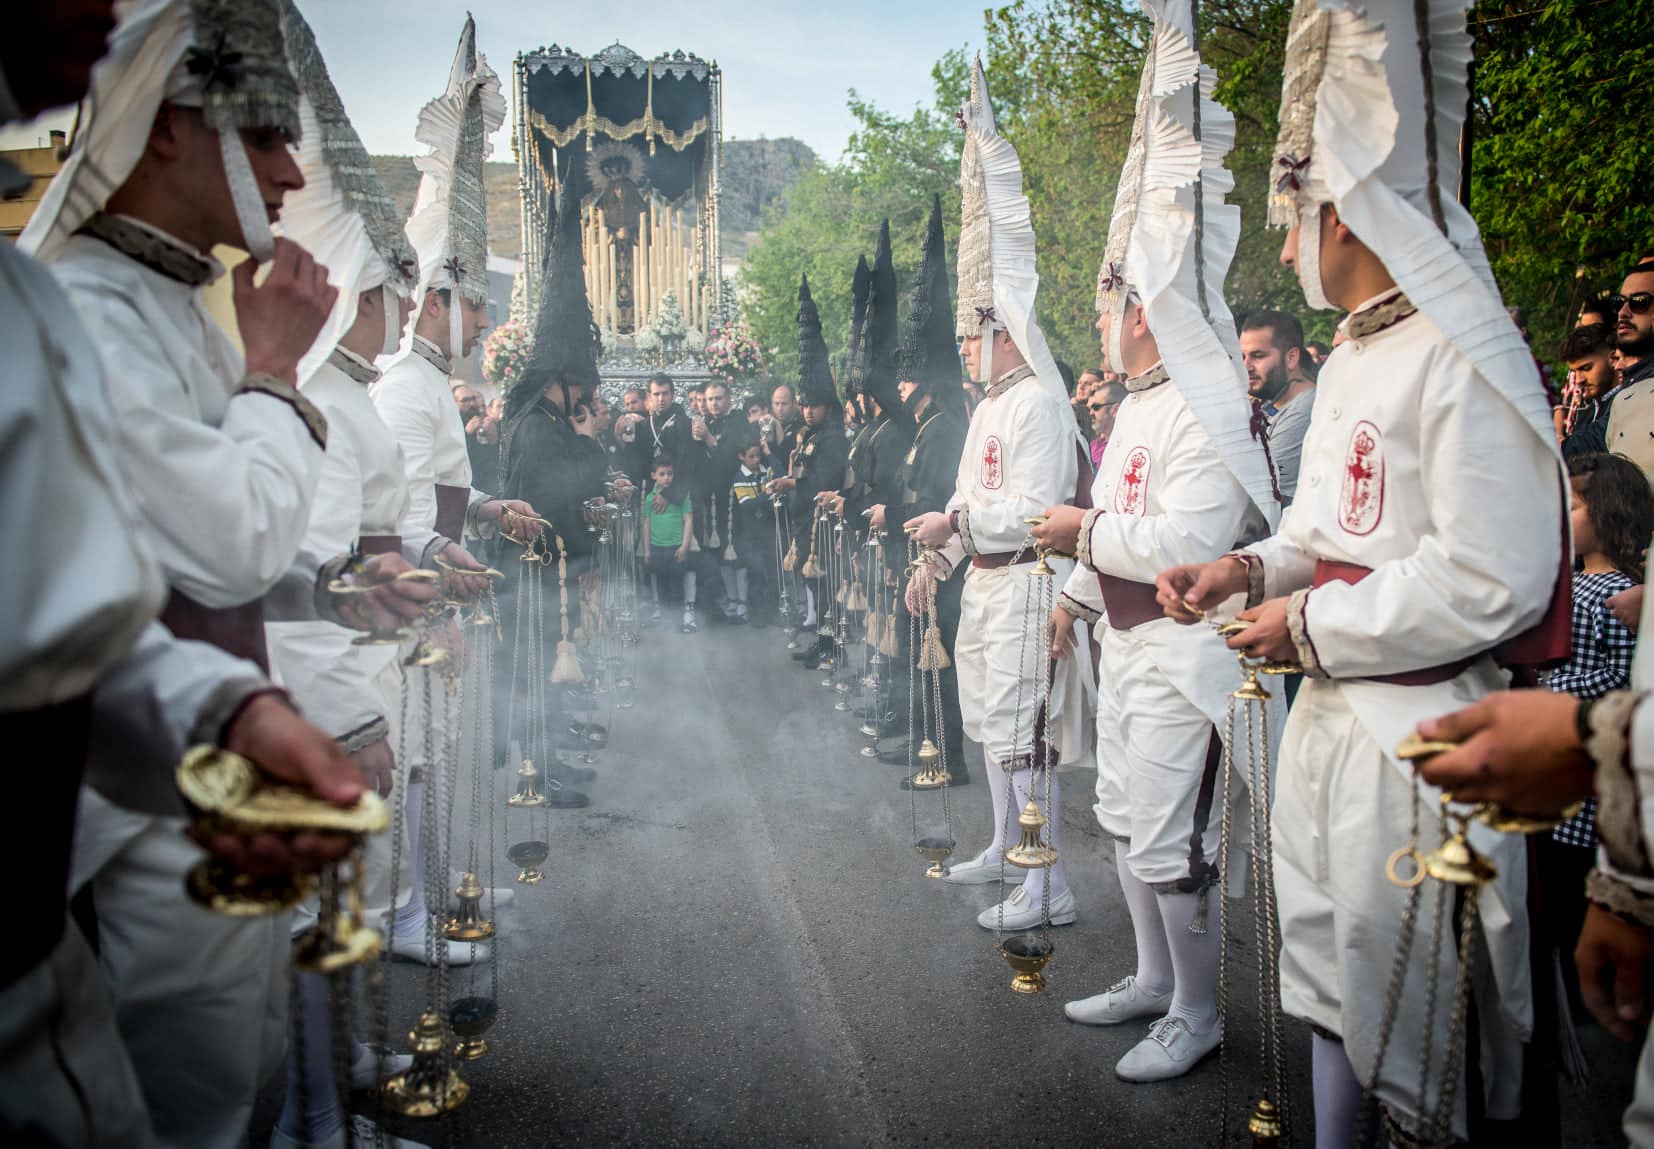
[
  {"x": 1562, "y": 147},
  {"x": 890, "y": 169}
]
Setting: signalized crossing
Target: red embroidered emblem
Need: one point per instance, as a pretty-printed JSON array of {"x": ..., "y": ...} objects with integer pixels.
[
  {"x": 1361, "y": 502},
  {"x": 1133, "y": 489},
  {"x": 993, "y": 464}
]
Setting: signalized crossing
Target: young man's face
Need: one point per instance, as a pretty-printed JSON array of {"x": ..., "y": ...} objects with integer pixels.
[
  {"x": 1103, "y": 411},
  {"x": 697, "y": 402},
  {"x": 635, "y": 402},
  {"x": 661, "y": 396},
  {"x": 782, "y": 405},
  {"x": 815, "y": 414},
  {"x": 717, "y": 402},
  {"x": 191, "y": 151},
  {"x": 1267, "y": 376},
  {"x": 1594, "y": 373}
]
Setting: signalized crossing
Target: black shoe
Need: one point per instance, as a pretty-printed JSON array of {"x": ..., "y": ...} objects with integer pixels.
[
  {"x": 809, "y": 658},
  {"x": 567, "y": 799}
]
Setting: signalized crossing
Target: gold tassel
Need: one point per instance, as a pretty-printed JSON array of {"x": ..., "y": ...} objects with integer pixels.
[
  {"x": 931, "y": 654},
  {"x": 887, "y": 637},
  {"x": 713, "y": 539},
  {"x": 566, "y": 668},
  {"x": 812, "y": 569},
  {"x": 855, "y": 598},
  {"x": 790, "y": 562},
  {"x": 729, "y": 549}
]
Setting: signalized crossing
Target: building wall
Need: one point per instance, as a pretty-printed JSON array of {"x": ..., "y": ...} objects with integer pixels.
[{"x": 40, "y": 165}]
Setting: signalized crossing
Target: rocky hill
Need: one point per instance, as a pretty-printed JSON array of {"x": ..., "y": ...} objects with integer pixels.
[{"x": 755, "y": 173}]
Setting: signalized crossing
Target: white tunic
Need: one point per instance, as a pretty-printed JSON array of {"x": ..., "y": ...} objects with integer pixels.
[
  {"x": 82, "y": 591},
  {"x": 1162, "y": 498},
  {"x": 363, "y": 491},
  {"x": 416, "y": 402},
  {"x": 222, "y": 477},
  {"x": 1019, "y": 458},
  {"x": 1414, "y": 465}
]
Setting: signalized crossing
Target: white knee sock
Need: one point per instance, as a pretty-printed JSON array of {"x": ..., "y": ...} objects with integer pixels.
[
  {"x": 1154, "y": 958},
  {"x": 809, "y": 608},
  {"x": 999, "y": 791},
  {"x": 726, "y": 575},
  {"x": 741, "y": 589},
  {"x": 1337, "y": 1094},
  {"x": 1194, "y": 956},
  {"x": 312, "y": 1078},
  {"x": 1023, "y": 788},
  {"x": 689, "y": 590},
  {"x": 410, "y": 917}
]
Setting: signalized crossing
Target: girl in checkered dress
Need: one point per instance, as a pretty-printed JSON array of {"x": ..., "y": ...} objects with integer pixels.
[{"x": 1613, "y": 517}]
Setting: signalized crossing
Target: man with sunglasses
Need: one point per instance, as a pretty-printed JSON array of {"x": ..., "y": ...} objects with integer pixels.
[
  {"x": 1631, "y": 419},
  {"x": 1104, "y": 405}
]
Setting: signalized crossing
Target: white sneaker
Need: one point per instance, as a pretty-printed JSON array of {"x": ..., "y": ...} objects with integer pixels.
[
  {"x": 1121, "y": 1001},
  {"x": 1170, "y": 1050},
  {"x": 364, "y": 1071},
  {"x": 364, "y": 1131},
  {"x": 411, "y": 947},
  {"x": 979, "y": 871},
  {"x": 1023, "y": 912}
]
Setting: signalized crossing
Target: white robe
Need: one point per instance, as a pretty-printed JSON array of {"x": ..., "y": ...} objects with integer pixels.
[
  {"x": 363, "y": 491},
  {"x": 416, "y": 402},
  {"x": 1164, "y": 498},
  {"x": 222, "y": 479},
  {"x": 1414, "y": 465},
  {"x": 1019, "y": 458}
]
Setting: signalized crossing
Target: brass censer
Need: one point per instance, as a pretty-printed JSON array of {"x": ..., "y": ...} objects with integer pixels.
[{"x": 228, "y": 794}]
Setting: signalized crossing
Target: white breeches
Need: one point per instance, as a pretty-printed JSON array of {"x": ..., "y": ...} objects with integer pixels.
[
  {"x": 1341, "y": 810},
  {"x": 999, "y": 657},
  {"x": 1157, "y": 787}
]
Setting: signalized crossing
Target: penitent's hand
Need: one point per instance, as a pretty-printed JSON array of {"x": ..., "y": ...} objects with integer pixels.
[
  {"x": 270, "y": 734},
  {"x": 280, "y": 318}
]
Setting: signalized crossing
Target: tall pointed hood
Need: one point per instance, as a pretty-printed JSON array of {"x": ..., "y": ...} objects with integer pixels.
[
  {"x": 225, "y": 57},
  {"x": 566, "y": 342},
  {"x": 998, "y": 279},
  {"x": 343, "y": 215},
  {"x": 815, "y": 377},
  {"x": 449, "y": 226},
  {"x": 853, "y": 374},
  {"x": 875, "y": 356},
  {"x": 1369, "y": 128},
  {"x": 1172, "y": 240},
  {"x": 929, "y": 357}
]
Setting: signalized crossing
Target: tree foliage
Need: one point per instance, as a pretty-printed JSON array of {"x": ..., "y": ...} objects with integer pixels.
[
  {"x": 890, "y": 169},
  {"x": 1562, "y": 176},
  {"x": 1562, "y": 138}
]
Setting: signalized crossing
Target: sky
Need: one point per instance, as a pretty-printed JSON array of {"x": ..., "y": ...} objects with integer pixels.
[{"x": 788, "y": 65}]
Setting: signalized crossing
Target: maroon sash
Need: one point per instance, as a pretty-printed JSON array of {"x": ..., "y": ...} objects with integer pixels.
[
  {"x": 386, "y": 544},
  {"x": 451, "y": 505},
  {"x": 1547, "y": 641},
  {"x": 1129, "y": 603},
  {"x": 1002, "y": 559},
  {"x": 237, "y": 630}
]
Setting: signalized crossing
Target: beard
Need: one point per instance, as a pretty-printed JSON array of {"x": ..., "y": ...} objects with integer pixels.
[
  {"x": 1273, "y": 384},
  {"x": 1637, "y": 346}
]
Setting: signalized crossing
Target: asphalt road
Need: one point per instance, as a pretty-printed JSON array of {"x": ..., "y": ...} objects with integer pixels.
[{"x": 736, "y": 946}]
